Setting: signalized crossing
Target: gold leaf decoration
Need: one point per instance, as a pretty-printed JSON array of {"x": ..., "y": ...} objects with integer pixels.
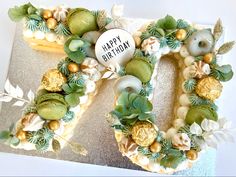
[
  {"x": 101, "y": 19},
  {"x": 56, "y": 146},
  {"x": 77, "y": 148},
  {"x": 226, "y": 47},
  {"x": 218, "y": 30}
]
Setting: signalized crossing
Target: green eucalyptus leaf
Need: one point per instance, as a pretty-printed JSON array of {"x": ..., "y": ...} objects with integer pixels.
[
  {"x": 123, "y": 99},
  {"x": 170, "y": 22},
  {"x": 172, "y": 160},
  {"x": 35, "y": 17},
  {"x": 14, "y": 141},
  {"x": 142, "y": 103},
  {"x": 31, "y": 10},
  {"x": 73, "y": 99},
  {"x": 224, "y": 68},
  {"x": 222, "y": 73},
  {"x": 161, "y": 23},
  {"x": 4, "y": 135}
]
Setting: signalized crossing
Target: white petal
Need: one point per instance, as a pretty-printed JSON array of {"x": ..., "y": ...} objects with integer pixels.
[
  {"x": 18, "y": 103},
  {"x": 30, "y": 95},
  {"x": 9, "y": 88},
  {"x": 209, "y": 125},
  {"x": 5, "y": 98},
  {"x": 19, "y": 92},
  {"x": 195, "y": 129}
]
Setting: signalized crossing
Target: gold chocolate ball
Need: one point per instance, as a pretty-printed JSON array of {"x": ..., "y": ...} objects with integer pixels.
[
  {"x": 53, "y": 80},
  {"x": 47, "y": 14},
  {"x": 192, "y": 154},
  {"x": 181, "y": 34},
  {"x": 209, "y": 88},
  {"x": 73, "y": 67},
  {"x": 208, "y": 58},
  {"x": 51, "y": 23},
  {"x": 54, "y": 125},
  {"x": 144, "y": 133},
  {"x": 21, "y": 135},
  {"x": 155, "y": 147}
]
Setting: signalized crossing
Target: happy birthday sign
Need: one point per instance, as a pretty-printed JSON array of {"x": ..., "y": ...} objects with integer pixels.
[{"x": 115, "y": 46}]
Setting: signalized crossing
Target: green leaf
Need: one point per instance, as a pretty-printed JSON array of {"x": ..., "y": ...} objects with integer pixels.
[
  {"x": 161, "y": 23},
  {"x": 226, "y": 47},
  {"x": 72, "y": 99},
  {"x": 56, "y": 146},
  {"x": 19, "y": 12},
  {"x": 173, "y": 159},
  {"x": 224, "y": 68},
  {"x": 14, "y": 141},
  {"x": 4, "y": 135},
  {"x": 222, "y": 73},
  {"x": 170, "y": 22},
  {"x": 142, "y": 103},
  {"x": 35, "y": 17},
  {"x": 123, "y": 99}
]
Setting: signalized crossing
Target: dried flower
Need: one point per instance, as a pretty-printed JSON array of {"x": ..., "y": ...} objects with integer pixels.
[
  {"x": 150, "y": 46},
  {"x": 60, "y": 13},
  {"x": 201, "y": 69},
  {"x": 181, "y": 141}
]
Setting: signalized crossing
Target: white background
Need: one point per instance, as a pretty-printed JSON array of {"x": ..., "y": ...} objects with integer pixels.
[{"x": 199, "y": 11}]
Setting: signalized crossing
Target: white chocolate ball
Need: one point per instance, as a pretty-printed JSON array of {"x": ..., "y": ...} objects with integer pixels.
[
  {"x": 189, "y": 60},
  {"x": 39, "y": 35},
  {"x": 83, "y": 99},
  {"x": 182, "y": 112},
  {"x": 184, "y": 52},
  {"x": 171, "y": 132},
  {"x": 184, "y": 100},
  {"x": 178, "y": 123},
  {"x": 28, "y": 33},
  {"x": 51, "y": 37}
]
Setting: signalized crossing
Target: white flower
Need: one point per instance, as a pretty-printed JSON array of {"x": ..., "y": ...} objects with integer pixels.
[
  {"x": 206, "y": 69},
  {"x": 209, "y": 125},
  {"x": 150, "y": 46},
  {"x": 196, "y": 129},
  {"x": 181, "y": 141},
  {"x": 60, "y": 13},
  {"x": 117, "y": 11},
  {"x": 34, "y": 123}
]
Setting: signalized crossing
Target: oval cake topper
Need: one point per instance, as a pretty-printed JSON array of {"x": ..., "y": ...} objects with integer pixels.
[{"x": 115, "y": 46}]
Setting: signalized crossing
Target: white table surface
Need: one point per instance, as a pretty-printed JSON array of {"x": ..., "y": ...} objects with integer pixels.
[{"x": 200, "y": 11}]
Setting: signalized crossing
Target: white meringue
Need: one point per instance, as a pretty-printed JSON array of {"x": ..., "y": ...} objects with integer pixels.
[
  {"x": 39, "y": 35},
  {"x": 184, "y": 100},
  {"x": 182, "y": 112},
  {"x": 189, "y": 60},
  {"x": 184, "y": 51}
]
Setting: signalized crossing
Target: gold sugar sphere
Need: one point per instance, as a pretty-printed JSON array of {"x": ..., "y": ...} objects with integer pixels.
[
  {"x": 53, "y": 80},
  {"x": 192, "y": 154},
  {"x": 54, "y": 125},
  {"x": 47, "y": 14},
  {"x": 73, "y": 67},
  {"x": 208, "y": 58},
  {"x": 21, "y": 135},
  {"x": 181, "y": 34},
  {"x": 144, "y": 133},
  {"x": 155, "y": 147},
  {"x": 51, "y": 23},
  {"x": 209, "y": 88}
]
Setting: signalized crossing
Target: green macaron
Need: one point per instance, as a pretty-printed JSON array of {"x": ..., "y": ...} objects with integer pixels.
[
  {"x": 80, "y": 21},
  {"x": 51, "y": 106},
  {"x": 199, "y": 113},
  {"x": 140, "y": 69}
]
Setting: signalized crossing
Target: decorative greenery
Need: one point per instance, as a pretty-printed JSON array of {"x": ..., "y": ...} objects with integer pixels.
[
  {"x": 18, "y": 13},
  {"x": 32, "y": 137},
  {"x": 42, "y": 144},
  {"x": 222, "y": 73},
  {"x": 121, "y": 71},
  {"x": 190, "y": 84},
  {"x": 8, "y": 137},
  {"x": 30, "y": 108},
  {"x": 132, "y": 107},
  {"x": 76, "y": 78},
  {"x": 226, "y": 47},
  {"x": 42, "y": 26},
  {"x": 62, "y": 66},
  {"x": 32, "y": 24},
  {"x": 62, "y": 29},
  {"x": 147, "y": 89},
  {"x": 73, "y": 92},
  {"x": 173, "y": 43},
  {"x": 45, "y": 133},
  {"x": 75, "y": 49},
  {"x": 56, "y": 146},
  {"x": 218, "y": 30},
  {"x": 167, "y": 23},
  {"x": 145, "y": 35},
  {"x": 70, "y": 115},
  {"x": 182, "y": 24}
]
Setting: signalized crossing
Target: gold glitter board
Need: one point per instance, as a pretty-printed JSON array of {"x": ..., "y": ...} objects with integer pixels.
[{"x": 26, "y": 69}]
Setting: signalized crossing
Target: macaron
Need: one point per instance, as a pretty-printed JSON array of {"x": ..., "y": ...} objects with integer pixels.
[
  {"x": 51, "y": 106},
  {"x": 199, "y": 113},
  {"x": 140, "y": 69},
  {"x": 80, "y": 21}
]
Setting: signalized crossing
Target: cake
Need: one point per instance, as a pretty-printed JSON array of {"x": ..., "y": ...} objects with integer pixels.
[{"x": 98, "y": 47}]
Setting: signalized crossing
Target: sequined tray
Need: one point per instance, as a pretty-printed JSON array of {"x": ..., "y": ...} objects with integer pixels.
[{"x": 26, "y": 69}]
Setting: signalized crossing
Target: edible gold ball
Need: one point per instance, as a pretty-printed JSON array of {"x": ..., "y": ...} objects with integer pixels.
[
  {"x": 73, "y": 67},
  {"x": 47, "y": 14},
  {"x": 21, "y": 135},
  {"x": 155, "y": 147},
  {"x": 208, "y": 58},
  {"x": 53, "y": 80},
  {"x": 209, "y": 88},
  {"x": 192, "y": 154},
  {"x": 181, "y": 34},
  {"x": 51, "y": 23},
  {"x": 54, "y": 125},
  {"x": 144, "y": 133}
]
